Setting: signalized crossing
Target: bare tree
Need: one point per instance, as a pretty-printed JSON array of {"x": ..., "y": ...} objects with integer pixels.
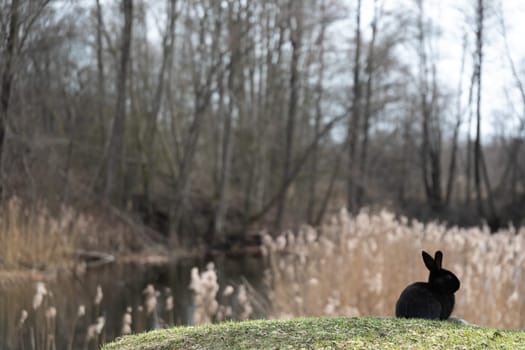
[
  {"x": 148, "y": 162},
  {"x": 478, "y": 67},
  {"x": 203, "y": 73},
  {"x": 19, "y": 24},
  {"x": 512, "y": 170},
  {"x": 355, "y": 116},
  {"x": 468, "y": 165},
  {"x": 258, "y": 182},
  {"x": 230, "y": 119},
  {"x": 430, "y": 124},
  {"x": 320, "y": 42},
  {"x": 115, "y": 152},
  {"x": 101, "y": 79},
  {"x": 296, "y": 33},
  {"x": 234, "y": 85},
  {"x": 367, "y": 114},
  {"x": 7, "y": 81},
  {"x": 455, "y": 136},
  {"x": 480, "y": 168}
]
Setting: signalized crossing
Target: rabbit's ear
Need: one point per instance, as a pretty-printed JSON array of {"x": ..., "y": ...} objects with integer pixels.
[
  {"x": 429, "y": 261},
  {"x": 438, "y": 259}
]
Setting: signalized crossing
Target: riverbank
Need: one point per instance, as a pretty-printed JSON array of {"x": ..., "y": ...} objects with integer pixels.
[
  {"x": 323, "y": 333},
  {"x": 37, "y": 244}
]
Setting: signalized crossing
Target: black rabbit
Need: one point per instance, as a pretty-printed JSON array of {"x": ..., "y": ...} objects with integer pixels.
[{"x": 433, "y": 299}]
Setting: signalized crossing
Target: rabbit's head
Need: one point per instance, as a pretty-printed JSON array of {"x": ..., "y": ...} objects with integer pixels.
[{"x": 440, "y": 280}]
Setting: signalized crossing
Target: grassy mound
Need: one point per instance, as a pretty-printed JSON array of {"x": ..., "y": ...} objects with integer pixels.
[{"x": 325, "y": 333}]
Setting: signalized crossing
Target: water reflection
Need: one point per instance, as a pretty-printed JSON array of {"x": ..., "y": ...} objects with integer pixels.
[{"x": 122, "y": 286}]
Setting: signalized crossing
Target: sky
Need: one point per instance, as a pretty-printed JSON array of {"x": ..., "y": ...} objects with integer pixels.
[{"x": 452, "y": 16}]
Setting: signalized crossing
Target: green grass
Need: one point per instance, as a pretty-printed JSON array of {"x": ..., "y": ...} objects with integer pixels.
[{"x": 326, "y": 333}]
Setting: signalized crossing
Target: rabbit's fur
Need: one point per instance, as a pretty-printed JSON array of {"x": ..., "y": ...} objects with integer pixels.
[{"x": 433, "y": 299}]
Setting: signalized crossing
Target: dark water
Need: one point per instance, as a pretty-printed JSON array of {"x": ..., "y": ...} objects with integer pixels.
[{"x": 122, "y": 286}]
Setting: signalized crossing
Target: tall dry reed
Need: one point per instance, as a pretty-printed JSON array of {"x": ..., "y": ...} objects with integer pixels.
[
  {"x": 30, "y": 237},
  {"x": 358, "y": 266},
  {"x": 211, "y": 306}
]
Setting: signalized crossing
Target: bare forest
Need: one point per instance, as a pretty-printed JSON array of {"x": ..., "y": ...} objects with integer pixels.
[
  {"x": 201, "y": 122},
  {"x": 176, "y": 162}
]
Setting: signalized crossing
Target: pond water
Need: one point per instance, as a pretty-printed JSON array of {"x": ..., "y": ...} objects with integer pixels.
[{"x": 122, "y": 286}]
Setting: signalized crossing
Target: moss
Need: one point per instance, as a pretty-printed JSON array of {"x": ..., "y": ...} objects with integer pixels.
[{"x": 326, "y": 333}]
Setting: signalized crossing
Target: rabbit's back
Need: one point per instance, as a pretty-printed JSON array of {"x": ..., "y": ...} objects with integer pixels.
[{"x": 419, "y": 301}]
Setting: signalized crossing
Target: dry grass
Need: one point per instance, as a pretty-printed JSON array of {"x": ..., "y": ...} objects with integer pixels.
[
  {"x": 32, "y": 238},
  {"x": 359, "y": 265}
]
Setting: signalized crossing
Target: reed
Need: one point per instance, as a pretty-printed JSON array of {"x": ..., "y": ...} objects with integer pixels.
[
  {"x": 80, "y": 314},
  {"x": 358, "y": 266},
  {"x": 30, "y": 237},
  {"x": 209, "y": 306},
  {"x": 351, "y": 265}
]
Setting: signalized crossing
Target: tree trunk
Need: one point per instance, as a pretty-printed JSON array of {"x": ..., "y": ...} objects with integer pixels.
[
  {"x": 492, "y": 219},
  {"x": 512, "y": 165},
  {"x": 477, "y": 142},
  {"x": 361, "y": 189},
  {"x": 480, "y": 167},
  {"x": 453, "y": 153},
  {"x": 312, "y": 184},
  {"x": 405, "y": 162},
  {"x": 227, "y": 140},
  {"x": 116, "y": 142},
  {"x": 202, "y": 86},
  {"x": 295, "y": 41},
  {"x": 468, "y": 169},
  {"x": 431, "y": 137},
  {"x": 452, "y": 164},
  {"x": 148, "y": 161},
  {"x": 354, "y": 119},
  {"x": 258, "y": 181},
  {"x": 101, "y": 79},
  {"x": 297, "y": 166},
  {"x": 7, "y": 81},
  {"x": 328, "y": 194}
]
